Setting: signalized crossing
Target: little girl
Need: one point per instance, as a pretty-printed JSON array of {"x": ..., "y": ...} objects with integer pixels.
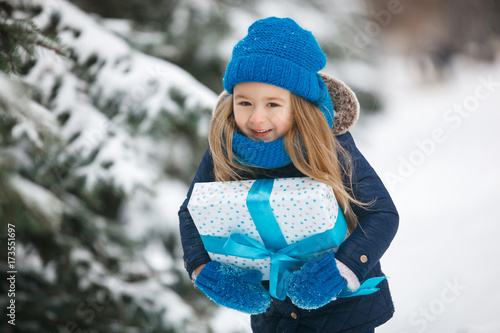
[{"x": 280, "y": 118}]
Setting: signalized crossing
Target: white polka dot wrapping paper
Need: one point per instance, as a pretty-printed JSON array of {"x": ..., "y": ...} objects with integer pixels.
[{"x": 298, "y": 208}]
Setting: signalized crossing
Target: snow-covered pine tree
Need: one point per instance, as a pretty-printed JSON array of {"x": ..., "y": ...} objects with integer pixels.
[
  {"x": 188, "y": 33},
  {"x": 91, "y": 148}
]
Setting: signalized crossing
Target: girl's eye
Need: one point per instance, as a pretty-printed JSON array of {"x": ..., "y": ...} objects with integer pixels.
[
  {"x": 273, "y": 105},
  {"x": 244, "y": 103}
]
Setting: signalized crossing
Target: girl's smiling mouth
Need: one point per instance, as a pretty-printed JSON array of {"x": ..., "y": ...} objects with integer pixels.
[{"x": 260, "y": 133}]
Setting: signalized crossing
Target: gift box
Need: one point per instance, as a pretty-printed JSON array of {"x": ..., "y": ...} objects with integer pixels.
[{"x": 272, "y": 225}]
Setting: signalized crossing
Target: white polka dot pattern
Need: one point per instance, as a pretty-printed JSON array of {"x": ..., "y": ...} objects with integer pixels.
[{"x": 302, "y": 207}]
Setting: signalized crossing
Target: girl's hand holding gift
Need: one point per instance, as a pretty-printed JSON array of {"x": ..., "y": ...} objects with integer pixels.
[
  {"x": 316, "y": 284},
  {"x": 234, "y": 287}
]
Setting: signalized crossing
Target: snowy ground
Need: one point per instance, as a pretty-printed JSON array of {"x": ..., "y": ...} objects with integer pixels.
[{"x": 441, "y": 167}]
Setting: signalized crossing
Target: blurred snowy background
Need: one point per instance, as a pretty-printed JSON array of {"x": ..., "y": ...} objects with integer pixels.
[{"x": 98, "y": 145}]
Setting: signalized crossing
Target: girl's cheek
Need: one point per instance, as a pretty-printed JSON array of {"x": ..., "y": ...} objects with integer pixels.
[{"x": 237, "y": 119}]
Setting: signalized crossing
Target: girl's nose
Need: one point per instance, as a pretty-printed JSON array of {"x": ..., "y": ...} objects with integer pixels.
[{"x": 258, "y": 115}]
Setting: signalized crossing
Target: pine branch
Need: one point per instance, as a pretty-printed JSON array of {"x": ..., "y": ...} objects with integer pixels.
[
  {"x": 22, "y": 35},
  {"x": 51, "y": 43},
  {"x": 7, "y": 53},
  {"x": 28, "y": 49},
  {"x": 26, "y": 32}
]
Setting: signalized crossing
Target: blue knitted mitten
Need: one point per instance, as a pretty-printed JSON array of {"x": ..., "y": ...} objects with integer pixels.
[
  {"x": 316, "y": 284},
  {"x": 234, "y": 287}
]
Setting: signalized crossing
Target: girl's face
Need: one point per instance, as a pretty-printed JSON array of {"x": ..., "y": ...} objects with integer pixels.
[{"x": 262, "y": 111}]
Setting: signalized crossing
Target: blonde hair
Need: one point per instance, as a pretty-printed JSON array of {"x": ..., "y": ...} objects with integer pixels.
[{"x": 310, "y": 143}]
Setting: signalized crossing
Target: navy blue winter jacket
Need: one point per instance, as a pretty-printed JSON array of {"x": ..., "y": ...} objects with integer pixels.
[{"x": 361, "y": 252}]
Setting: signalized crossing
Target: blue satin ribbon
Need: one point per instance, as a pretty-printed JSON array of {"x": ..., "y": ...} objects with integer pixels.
[
  {"x": 284, "y": 258},
  {"x": 262, "y": 214}
]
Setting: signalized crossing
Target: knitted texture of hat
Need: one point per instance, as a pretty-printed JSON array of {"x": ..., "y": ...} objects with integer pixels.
[
  {"x": 278, "y": 51},
  {"x": 259, "y": 153}
]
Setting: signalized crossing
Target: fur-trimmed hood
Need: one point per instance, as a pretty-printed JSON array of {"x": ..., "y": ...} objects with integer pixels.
[{"x": 345, "y": 104}]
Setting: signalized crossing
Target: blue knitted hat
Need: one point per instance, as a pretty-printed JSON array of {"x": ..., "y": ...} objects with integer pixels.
[{"x": 278, "y": 51}]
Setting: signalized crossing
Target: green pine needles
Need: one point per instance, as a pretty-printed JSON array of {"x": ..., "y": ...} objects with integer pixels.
[{"x": 20, "y": 39}]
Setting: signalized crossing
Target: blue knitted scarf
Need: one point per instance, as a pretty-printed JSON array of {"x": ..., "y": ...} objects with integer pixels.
[{"x": 260, "y": 153}]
